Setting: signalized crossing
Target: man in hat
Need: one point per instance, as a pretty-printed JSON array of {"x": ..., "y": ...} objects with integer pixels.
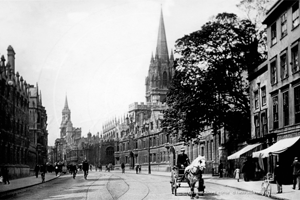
[
  {"x": 182, "y": 159},
  {"x": 296, "y": 173},
  {"x": 182, "y": 162}
]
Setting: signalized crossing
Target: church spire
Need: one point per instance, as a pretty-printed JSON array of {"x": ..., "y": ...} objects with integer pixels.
[
  {"x": 66, "y": 103},
  {"x": 162, "y": 48}
]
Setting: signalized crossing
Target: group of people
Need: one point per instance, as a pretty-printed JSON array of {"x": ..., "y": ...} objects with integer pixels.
[
  {"x": 4, "y": 175},
  {"x": 278, "y": 174},
  {"x": 278, "y": 177}
]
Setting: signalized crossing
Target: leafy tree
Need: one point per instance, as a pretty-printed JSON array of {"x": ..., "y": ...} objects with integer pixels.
[
  {"x": 210, "y": 86},
  {"x": 255, "y": 11}
]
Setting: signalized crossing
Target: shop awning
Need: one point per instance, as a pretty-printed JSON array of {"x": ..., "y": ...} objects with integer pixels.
[
  {"x": 277, "y": 148},
  {"x": 247, "y": 148}
]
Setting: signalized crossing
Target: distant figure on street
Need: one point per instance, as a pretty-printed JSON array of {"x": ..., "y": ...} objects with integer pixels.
[
  {"x": 296, "y": 173},
  {"x": 140, "y": 168},
  {"x": 123, "y": 167},
  {"x": 56, "y": 169},
  {"x": 137, "y": 169},
  {"x": 85, "y": 167},
  {"x": 5, "y": 175},
  {"x": 43, "y": 169},
  {"x": 37, "y": 169},
  {"x": 246, "y": 170},
  {"x": 221, "y": 169},
  {"x": 278, "y": 177},
  {"x": 91, "y": 167},
  {"x": 73, "y": 170},
  {"x": 236, "y": 174}
]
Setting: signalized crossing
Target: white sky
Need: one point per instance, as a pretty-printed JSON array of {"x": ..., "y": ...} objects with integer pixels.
[{"x": 97, "y": 52}]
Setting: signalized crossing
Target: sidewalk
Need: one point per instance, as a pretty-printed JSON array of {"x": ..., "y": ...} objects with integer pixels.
[
  {"x": 255, "y": 186},
  {"x": 22, "y": 183}
]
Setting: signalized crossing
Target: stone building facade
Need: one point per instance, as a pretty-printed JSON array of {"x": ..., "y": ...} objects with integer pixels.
[
  {"x": 71, "y": 147},
  {"x": 14, "y": 118},
  {"x": 275, "y": 93},
  {"x": 38, "y": 134}
]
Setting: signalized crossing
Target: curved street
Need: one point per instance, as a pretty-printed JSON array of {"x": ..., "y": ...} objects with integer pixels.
[{"x": 129, "y": 186}]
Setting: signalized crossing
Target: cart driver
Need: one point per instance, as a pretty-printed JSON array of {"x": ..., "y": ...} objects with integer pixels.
[
  {"x": 182, "y": 159},
  {"x": 182, "y": 162}
]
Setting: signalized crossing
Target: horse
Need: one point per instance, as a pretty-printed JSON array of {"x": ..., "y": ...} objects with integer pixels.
[{"x": 193, "y": 173}]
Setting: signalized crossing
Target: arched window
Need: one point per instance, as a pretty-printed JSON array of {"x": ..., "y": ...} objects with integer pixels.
[
  {"x": 110, "y": 151},
  {"x": 165, "y": 79}
]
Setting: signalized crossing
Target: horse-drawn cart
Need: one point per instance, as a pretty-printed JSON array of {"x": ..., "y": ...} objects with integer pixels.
[{"x": 190, "y": 175}]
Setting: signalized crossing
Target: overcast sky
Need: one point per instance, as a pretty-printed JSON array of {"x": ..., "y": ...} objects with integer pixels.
[{"x": 97, "y": 52}]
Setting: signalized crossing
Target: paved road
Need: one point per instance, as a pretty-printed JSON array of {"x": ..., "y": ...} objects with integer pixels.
[{"x": 128, "y": 186}]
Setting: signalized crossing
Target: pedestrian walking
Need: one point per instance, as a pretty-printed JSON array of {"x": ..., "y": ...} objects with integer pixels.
[
  {"x": 296, "y": 173},
  {"x": 245, "y": 170},
  {"x": 140, "y": 168},
  {"x": 43, "y": 170},
  {"x": 137, "y": 168},
  {"x": 85, "y": 167},
  {"x": 36, "y": 169},
  {"x": 123, "y": 167},
  {"x": 5, "y": 175},
  {"x": 56, "y": 169},
  {"x": 237, "y": 174},
  {"x": 221, "y": 169},
  {"x": 278, "y": 177}
]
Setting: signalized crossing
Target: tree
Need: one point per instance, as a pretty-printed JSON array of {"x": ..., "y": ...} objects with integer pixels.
[
  {"x": 210, "y": 86},
  {"x": 255, "y": 11}
]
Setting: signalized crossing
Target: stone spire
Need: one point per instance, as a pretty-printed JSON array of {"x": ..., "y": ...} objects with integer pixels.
[
  {"x": 66, "y": 109},
  {"x": 162, "y": 48},
  {"x": 66, "y": 104}
]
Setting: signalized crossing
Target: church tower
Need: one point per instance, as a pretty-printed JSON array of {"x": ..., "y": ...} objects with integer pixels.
[
  {"x": 161, "y": 71},
  {"x": 66, "y": 120}
]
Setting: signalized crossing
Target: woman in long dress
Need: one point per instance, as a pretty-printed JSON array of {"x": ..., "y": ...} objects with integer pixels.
[{"x": 237, "y": 174}]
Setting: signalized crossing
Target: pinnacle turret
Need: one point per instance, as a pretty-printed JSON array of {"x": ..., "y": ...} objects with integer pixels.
[{"x": 172, "y": 56}]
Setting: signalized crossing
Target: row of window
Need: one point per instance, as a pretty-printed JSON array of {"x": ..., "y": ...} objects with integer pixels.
[
  {"x": 263, "y": 97},
  {"x": 154, "y": 141},
  {"x": 285, "y": 108},
  {"x": 283, "y": 63},
  {"x": 261, "y": 125},
  {"x": 283, "y": 24}
]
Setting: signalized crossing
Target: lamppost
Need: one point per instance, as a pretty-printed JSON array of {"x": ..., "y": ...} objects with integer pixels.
[{"x": 146, "y": 126}]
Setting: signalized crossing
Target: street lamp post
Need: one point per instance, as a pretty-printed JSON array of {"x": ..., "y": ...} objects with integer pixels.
[{"x": 146, "y": 126}]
